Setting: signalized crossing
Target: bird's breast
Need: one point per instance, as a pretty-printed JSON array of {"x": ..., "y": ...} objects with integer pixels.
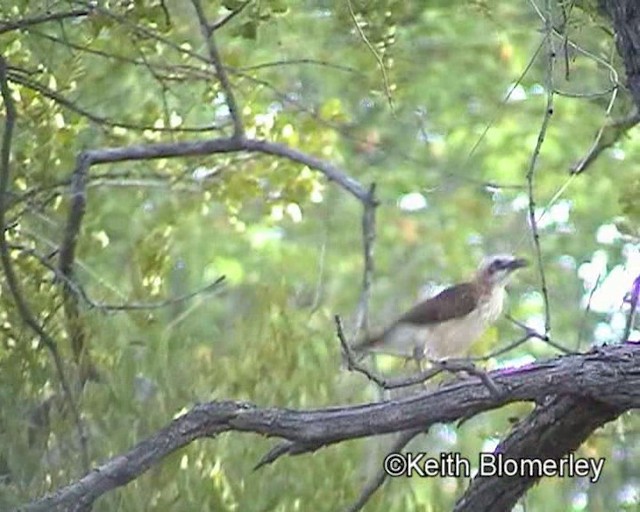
[
  {"x": 454, "y": 337},
  {"x": 491, "y": 305}
]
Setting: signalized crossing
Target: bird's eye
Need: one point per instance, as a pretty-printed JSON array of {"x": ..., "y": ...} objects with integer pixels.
[{"x": 496, "y": 265}]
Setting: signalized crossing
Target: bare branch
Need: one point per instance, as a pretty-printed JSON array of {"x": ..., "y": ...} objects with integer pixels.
[
  {"x": 147, "y": 152},
  {"x": 534, "y": 160},
  {"x": 608, "y": 135},
  {"x": 23, "y": 23},
  {"x": 66, "y": 258},
  {"x": 368, "y": 239},
  {"x": 382, "y": 382},
  {"x": 532, "y": 333},
  {"x": 101, "y": 120},
  {"x": 383, "y": 69},
  {"x": 226, "y": 19},
  {"x": 214, "y": 56},
  {"x": 180, "y": 149}
]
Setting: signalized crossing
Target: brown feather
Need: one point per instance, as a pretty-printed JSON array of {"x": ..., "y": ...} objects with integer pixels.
[{"x": 454, "y": 302}]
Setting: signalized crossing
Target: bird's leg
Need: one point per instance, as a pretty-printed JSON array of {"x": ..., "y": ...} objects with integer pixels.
[
  {"x": 419, "y": 356},
  {"x": 421, "y": 359}
]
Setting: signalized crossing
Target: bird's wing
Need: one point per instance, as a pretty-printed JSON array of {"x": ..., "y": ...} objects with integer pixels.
[{"x": 454, "y": 302}]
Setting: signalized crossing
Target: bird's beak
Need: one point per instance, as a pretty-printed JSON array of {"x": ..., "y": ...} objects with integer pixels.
[{"x": 517, "y": 263}]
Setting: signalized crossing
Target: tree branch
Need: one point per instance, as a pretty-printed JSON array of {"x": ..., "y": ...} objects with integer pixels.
[
  {"x": 552, "y": 430},
  {"x": 625, "y": 15},
  {"x": 24, "y": 23},
  {"x": 594, "y": 377},
  {"x": 530, "y": 176},
  {"x": 92, "y": 157},
  {"x": 214, "y": 56}
]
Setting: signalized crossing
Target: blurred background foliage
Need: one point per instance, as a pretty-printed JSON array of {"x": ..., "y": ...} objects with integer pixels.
[{"x": 446, "y": 130}]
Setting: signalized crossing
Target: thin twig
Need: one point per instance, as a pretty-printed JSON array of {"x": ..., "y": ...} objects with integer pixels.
[
  {"x": 214, "y": 56},
  {"x": 587, "y": 309},
  {"x": 534, "y": 160},
  {"x": 368, "y": 239},
  {"x": 106, "y": 307},
  {"x": 383, "y": 71},
  {"x": 226, "y": 19},
  {"x": 467, "y": 366},
  {"x": 354, "y": 365},
  {"x": 299, "y": 62},
  {"x": 504, "y": 350},
  {"x": 566, "y": 13},
  {"x": 101, "y": 120},
  {"x": 532, "y": 333},
  {"x": 505, "y": 101},
  {"x": 24, "y": 23},
  {"x": 615, "y": 130}
]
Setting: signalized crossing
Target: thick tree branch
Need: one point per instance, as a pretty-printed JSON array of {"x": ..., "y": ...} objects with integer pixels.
[
  {"x": 182, "y": 149},
  {"x": 625, "y": 15},
  {"x": 552, "y": 430},
  {"x": 609, "y": 375}
]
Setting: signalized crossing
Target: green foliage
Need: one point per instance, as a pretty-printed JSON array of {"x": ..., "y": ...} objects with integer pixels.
[{"x": 288, "y": 242}]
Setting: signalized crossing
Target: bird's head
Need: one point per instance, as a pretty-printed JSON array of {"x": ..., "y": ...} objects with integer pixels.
[{"x": 497, "y": 269}]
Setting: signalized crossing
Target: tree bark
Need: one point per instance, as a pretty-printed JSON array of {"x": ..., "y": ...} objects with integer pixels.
[{"x": 625, "y": 16}]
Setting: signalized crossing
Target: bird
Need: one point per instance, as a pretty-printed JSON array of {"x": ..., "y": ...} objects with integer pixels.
[{"x": 447, "y": 324}]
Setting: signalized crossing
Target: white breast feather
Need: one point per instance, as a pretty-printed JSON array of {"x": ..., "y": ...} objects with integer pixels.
[{"x": 454, "y": 337}]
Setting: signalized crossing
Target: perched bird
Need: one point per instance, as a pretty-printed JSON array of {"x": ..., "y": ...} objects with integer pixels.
[{"x": 447, "y": 325}]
